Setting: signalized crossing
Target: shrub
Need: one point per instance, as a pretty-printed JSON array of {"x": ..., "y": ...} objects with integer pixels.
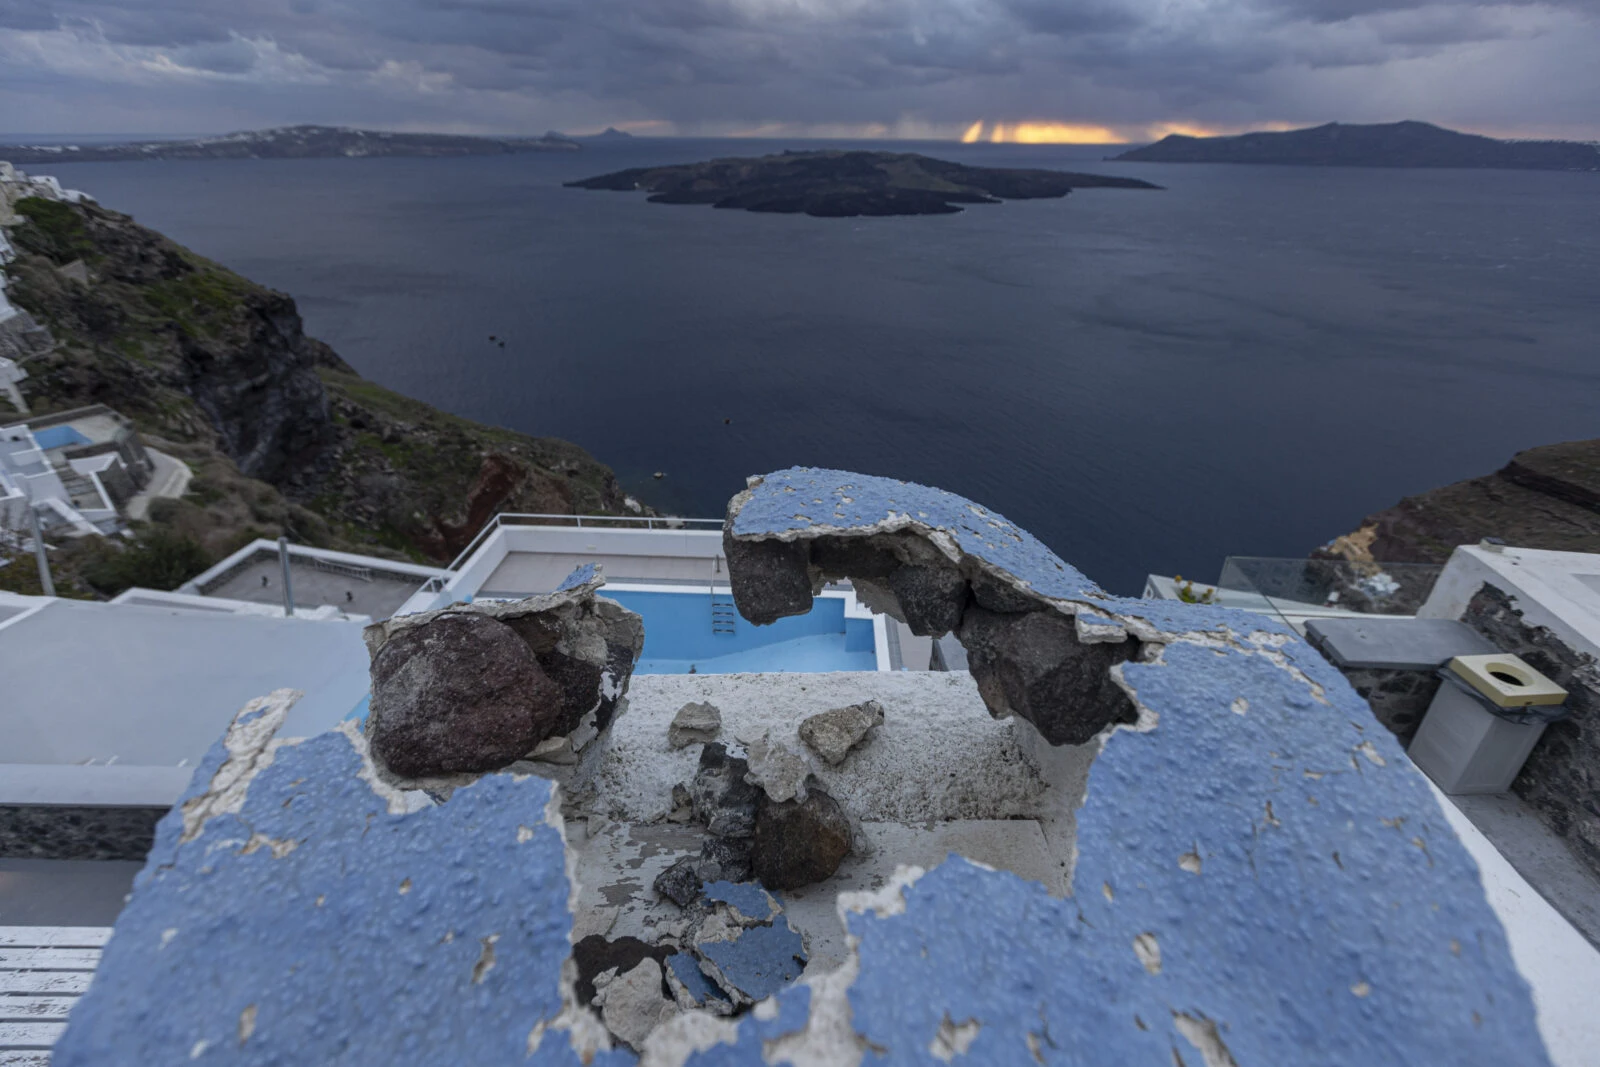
[{"x": 158, "y": 559}]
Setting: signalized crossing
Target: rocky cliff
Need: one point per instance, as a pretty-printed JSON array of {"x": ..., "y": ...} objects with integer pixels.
[
  {"x": 284, "y": 435},
  {"x": 1546, "y": 497}
]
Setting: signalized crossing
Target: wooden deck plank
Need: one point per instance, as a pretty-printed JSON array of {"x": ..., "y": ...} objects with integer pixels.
[
  {"x": 49, "y": 959},
  {"x": 22, "y": 1036},
  {"x": 44, "y": 981},
  {"x": 24, "y": 1059},
  {"x": 54, "y": 936},
  {"x": 31, "y": 1009}
]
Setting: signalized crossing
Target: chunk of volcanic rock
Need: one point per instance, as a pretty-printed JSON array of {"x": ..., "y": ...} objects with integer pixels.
[
  {"x": 633, "y": 1004},
  {"x": 1034, "y": 666},
  {"x": 771, "y": 579},
  {"x": 722, "y": 859},
  {"x": 694, "y": 724},
  {"x": 445, "y": 683},
  {"x": 723, "y": 801},
  {"x": 801, "y": 842},
  {"x": 833, "y": 734},
  {"x": 458, "y": 694},
  {"x": 777, "y": 769},
  {"x": 681, "y": 883}
]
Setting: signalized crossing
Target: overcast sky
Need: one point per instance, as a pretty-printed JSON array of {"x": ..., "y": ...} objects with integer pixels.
[{"x": 1129, "y": 69}]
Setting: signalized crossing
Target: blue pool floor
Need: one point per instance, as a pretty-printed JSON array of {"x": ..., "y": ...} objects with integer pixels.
[{"x": 811, "y": 653}]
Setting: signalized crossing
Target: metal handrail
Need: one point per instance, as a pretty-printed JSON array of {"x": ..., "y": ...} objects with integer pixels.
[{"x": 514, "y": 518}]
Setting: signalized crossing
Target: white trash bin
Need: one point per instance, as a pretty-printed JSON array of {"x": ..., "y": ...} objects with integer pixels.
[{"x": 1483, "y": 722}]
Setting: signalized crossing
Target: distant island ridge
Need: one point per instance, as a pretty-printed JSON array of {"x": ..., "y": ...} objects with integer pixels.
[
  {"x": 290, "y": 142},
  {"x": 1392, "y": 144},
  {"x": 841, "y": 184}
]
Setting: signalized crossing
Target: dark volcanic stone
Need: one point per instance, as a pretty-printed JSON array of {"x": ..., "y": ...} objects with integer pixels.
[
  {"x": 726, "y": 859},
  {"x": 1033, "y": 666},
  {"x": 798, "y": 843},
  {"x": 681, "y": 883},
  {"x": 997, "y": 596},
  {"x": 770, "y": 579},
  {"x": 579, "y": 683},
  {"x": 931, "y": 597},
  {"x": 594, "y": 956},
  {"x": 461, "y": 693},
  {"x": 721, "y": 859},
  {"x": 722, "y": 799},
  {"x": 852, "y": 557}
]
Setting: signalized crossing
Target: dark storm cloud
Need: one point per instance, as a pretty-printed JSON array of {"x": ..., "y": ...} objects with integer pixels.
[{"x": 722, "y": 64}]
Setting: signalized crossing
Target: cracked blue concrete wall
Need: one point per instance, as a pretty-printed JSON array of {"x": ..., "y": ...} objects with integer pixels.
[{"x": 1263, "y": 878}]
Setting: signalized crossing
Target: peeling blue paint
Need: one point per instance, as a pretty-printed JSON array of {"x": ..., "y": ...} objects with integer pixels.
[
  {"x": 686, "y": 969},
  {"x": 760, "y": 961},
  {"x": 1251, "y": 851},
  {"x": 366, "y": 943},
  {"x": 1264, "y": 858},
  {"x": 581, "y": 575},
  {"x": 817, "y": 500},
  {"x": 750, "y": 899}
]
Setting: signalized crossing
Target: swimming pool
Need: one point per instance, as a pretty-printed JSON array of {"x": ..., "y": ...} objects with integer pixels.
[
  {"x": 700, "y": 633},
  {"x": 58, "y": 437}
]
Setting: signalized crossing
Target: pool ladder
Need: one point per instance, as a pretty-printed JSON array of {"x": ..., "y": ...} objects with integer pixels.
[{"x": 723, "y": 615}]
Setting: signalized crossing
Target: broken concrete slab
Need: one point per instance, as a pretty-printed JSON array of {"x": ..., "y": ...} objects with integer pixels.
[
  {"x": 834, "y": 733},
  {"x": 724, "y": 801},
  {"x": 755, "y": 963},
  {"x": 721, "y": 859},
  {"x": 1370, "y": 943},
  {"x": 1032, "y": 665},
  {"x": 780, "y": 771},
  {"x": 633, "y": 1004},
  {"x": 692, "y": 989},
  {"x": 303, "y": 901},
  {"x": 458, "y": 694},
  {"x": 748, "y": 903},
  {"x": 695, "y": 723},
  {"x": 799, "y": 842}
]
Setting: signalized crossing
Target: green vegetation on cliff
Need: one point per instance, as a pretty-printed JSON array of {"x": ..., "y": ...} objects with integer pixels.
[{"x": 283, "y": 435}]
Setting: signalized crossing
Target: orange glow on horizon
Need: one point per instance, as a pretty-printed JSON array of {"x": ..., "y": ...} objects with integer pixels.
[{"x": 1040, "y": 133}]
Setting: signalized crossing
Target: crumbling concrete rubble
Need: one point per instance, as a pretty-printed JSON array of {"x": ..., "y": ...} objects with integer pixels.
[
  {"x": 833, "y": 734},
  {"x": 695, "y": 723},
  {"x": 1024, "y": 648},
  {"x": 476, "y": 687}
]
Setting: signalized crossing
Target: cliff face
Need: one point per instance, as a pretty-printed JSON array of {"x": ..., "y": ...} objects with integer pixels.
[
  {"x": 219, "y": 369},
  {"x": 1546, "y": 497}
]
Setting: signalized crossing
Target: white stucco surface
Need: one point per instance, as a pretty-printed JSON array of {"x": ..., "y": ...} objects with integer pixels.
[{"x": 1562, "y": 967}]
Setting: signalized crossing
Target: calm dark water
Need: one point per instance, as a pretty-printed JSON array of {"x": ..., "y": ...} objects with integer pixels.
[{"x": 1246, "y": 363}]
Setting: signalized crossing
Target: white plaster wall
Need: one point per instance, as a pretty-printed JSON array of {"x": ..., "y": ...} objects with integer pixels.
[
  {"x": 1558, "y": 590},
  {"x": 938, "y": 756}
]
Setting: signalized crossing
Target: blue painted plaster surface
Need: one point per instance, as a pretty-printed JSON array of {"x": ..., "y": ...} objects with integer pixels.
[
  {"x": 1266, "y": 837},
  {"x": 686, "y": 969},
  {"x": 364, "y": 944},
  {"x": 581, "y": 576},
  {"x": 749, "y": 898},
  {"x": 760, "y": 961},
  {"x": 816, "y": 500},
  {"x": 1345, "y": 925}
]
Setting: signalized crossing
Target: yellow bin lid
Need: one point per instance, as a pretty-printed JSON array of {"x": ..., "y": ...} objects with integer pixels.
[{"x": 1507, "y": 681}]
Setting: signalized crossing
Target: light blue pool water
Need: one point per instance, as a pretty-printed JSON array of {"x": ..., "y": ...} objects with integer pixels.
[
  {"x": 679, "y": 635},
  {"x": 58, "y": 436}
]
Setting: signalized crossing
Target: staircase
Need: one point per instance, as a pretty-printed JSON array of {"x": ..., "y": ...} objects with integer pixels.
[{"x": 724, "y": 617}]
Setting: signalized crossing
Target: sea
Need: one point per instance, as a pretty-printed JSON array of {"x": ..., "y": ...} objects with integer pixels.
[{"x": 1245, "y": 362}]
